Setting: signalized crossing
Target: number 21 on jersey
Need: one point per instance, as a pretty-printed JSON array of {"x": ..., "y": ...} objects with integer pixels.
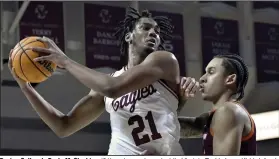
[{"x": 145, "y": 138}]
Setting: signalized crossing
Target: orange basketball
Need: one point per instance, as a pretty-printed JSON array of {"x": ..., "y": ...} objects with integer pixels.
[{"x": 27, "y": 69}]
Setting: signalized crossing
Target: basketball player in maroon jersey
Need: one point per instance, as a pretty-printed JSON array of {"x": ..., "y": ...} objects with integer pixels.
[{"x": 228, "y": 129}]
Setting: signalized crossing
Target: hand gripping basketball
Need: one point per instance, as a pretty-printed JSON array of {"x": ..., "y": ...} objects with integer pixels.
[{"x": 52, "y": 53}]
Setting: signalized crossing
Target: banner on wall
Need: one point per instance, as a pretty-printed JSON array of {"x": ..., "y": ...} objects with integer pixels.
[
  {"x": 266, "y": 4},
  {"x": 102, "y": 48},
  {"x": 267, "y": 51},
  {"x": 219, "y": 36},
  {"x": 43, "y": 18},
  {"x": 230, "y": 3},
  {"x": 176, "y": 44}
]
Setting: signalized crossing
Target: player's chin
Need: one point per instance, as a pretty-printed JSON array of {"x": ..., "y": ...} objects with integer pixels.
[
  {"x": 149, "y": 49},
  {"x": 205, "y": 97},
  {"x": 208, "y": 98}
]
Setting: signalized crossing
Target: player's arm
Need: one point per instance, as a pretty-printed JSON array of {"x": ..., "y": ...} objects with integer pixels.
[
  {"x": 84, "y": 112},
  {"x": 192, "y": 126},
  {"x": 157, "y": 65},
  {"x": 227, "y": 128}
]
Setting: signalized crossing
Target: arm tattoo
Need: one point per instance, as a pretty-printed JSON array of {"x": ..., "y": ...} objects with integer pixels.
[
  {"x": 193, "y": 126},
  {"x": 188, "y": 128}
]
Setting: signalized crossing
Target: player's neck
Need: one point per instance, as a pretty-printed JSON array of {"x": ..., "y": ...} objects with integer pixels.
[
  {"x": 134, "y": 58},
  {"x": 227, "y": 96}
]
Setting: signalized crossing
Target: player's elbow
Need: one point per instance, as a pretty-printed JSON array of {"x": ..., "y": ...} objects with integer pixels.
[
  {"x": 63, "y": 129},
  {"x": 62, "y": 134}
]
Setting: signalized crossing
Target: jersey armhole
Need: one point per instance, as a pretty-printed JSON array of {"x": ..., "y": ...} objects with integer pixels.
[
  {"x": 111, "y": 74},
  {"x": 252, "y": 131},
  {"x": 164, "y": 84}
]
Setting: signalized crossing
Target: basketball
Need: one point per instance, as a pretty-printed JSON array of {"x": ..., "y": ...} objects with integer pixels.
[{"x": 27, "y": 69}]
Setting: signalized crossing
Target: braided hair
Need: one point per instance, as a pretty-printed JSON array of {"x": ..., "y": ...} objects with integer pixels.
[
  {"x": 129, "y": 23},
  {"x": 234, "y": 64}
]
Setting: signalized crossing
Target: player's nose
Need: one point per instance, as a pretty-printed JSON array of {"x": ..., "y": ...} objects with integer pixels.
[
  {"x": 202, "y": 79},
  {"x": 152, "y": 33}
]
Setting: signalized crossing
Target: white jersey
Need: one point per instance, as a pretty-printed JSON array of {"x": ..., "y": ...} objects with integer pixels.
[{"x": 144, "y": 120}]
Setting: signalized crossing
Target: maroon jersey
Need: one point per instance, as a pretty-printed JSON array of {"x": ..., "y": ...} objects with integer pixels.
[{"x": 248, "y": 143}]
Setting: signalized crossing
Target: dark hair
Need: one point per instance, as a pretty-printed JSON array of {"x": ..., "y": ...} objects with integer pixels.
[
  {"x": 234, "y": 64},
  {"x": 128, "y": 24}
]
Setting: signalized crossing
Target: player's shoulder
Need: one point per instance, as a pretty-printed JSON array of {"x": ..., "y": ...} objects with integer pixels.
[
  {"x": 166, "y": 63},
  {"x": 232, "y": 111},
  {"x": 162, "y": 55}
]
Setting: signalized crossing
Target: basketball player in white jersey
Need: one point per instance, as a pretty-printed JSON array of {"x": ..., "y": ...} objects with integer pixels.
[{"x": 142, "y": 97}]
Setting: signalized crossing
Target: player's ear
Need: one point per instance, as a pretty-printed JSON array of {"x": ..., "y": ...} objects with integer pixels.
[
  {"x": 231, "y": 79},
  {"x": 128, "y": 37}
]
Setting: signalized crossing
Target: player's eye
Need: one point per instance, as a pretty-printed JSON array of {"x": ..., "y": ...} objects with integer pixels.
[
  {"x": 157, "y": 30},
  {"x": 210, "y": 71},
  {"x": 146, "y": 28}
]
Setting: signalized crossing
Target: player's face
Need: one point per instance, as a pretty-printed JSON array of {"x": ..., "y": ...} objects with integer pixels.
[
  {"x": 145, "y": 36},
  {"x": 213, "y": 82}
]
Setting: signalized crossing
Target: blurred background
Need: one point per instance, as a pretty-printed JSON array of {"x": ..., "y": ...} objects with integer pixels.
[{"x": 84, "y": 30}]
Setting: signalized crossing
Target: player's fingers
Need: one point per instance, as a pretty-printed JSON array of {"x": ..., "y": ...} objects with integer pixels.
[
  {"x": 42, "y": 58},
  {"x": 52, "y": 42},
  {"x": 185, "y": 87},
  {"x": 11, "y": 51},
  {"x": 190, "y": 86},
  {"x": 14, "y": 73},
  {"x": 188, "y": 81},
  {"x": 42, "y": 39},
  {"x": 42, "y": 51},
  {"x": 194, "y": 90},
  {"x": 45, "y": 40},
  {"x": 10, "y": 64},
  {"x": 182, "y": 81},
  {"x": 195, "y": 86},
  {"x": 48, "y": 40},
  {"x": 10, "y": 54}
]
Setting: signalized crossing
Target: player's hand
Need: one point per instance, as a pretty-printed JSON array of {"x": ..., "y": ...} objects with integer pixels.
[
  {"x": 188, "y": 88},
  {"x": 20, "y": 82},
  {"x": 52, "y": 53}
]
